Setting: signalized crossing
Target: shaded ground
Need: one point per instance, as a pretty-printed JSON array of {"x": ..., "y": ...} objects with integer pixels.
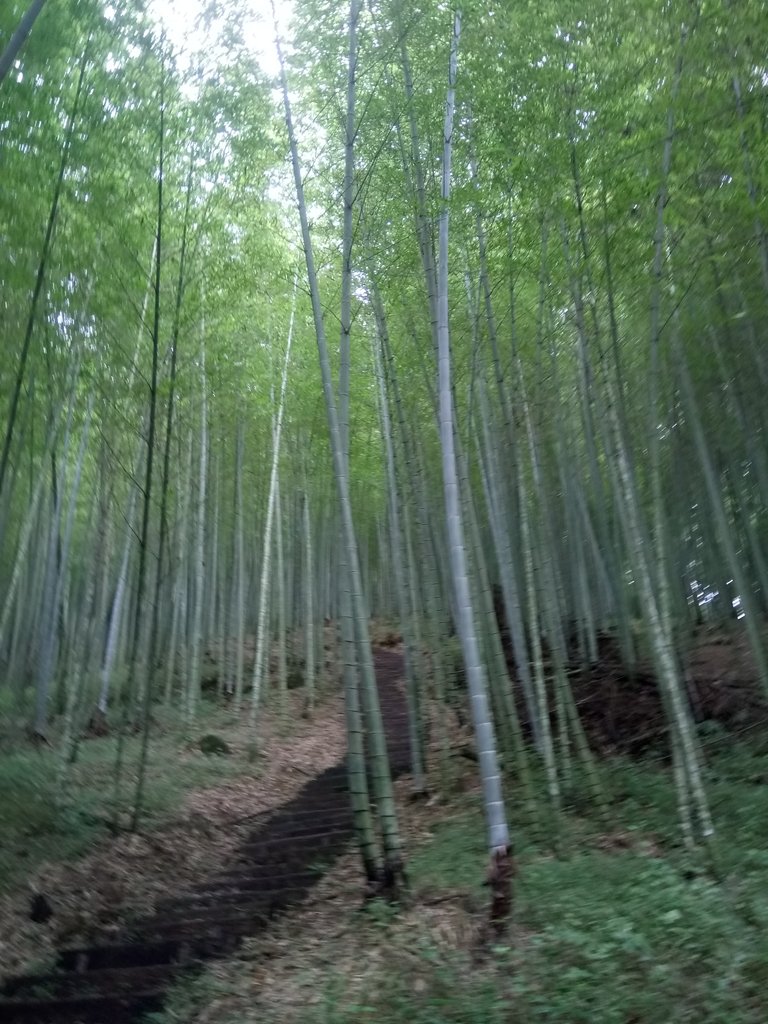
[
  {"x": 621, "y": 708},
  {"x": 198, "y": 808},
  {"x": 126, "y": 967},
  {"x": 124, "y": 876},
  {"x": 622, "y": 711}
]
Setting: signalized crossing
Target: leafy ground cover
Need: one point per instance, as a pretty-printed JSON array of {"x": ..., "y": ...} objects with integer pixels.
[{"x": 624, "y": 927}]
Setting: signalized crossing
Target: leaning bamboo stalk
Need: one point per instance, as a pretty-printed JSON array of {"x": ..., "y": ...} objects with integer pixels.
[{"x": 262, "y": 631}]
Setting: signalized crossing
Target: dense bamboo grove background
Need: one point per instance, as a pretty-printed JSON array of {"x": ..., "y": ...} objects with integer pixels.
[{"x": 531, "y": 255}]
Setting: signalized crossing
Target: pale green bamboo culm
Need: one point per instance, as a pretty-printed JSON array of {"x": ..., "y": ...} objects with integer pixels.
[{"x": 498, "y": 831}]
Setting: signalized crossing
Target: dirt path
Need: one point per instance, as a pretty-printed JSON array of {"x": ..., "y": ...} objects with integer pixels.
[{"x": 123, "y": 976}]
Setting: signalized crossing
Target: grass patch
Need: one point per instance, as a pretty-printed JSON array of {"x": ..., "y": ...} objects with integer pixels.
[
  {"x": 636, "y": 932},
  {"x": 429, "y": 995},
  {"x": 190, "y": 994},
  {"x": 620, "y": 937},
  {"x": 35, "y": 827}
]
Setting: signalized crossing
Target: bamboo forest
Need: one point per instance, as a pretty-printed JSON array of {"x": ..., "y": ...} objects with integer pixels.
[{"x": 383, "y": 512}]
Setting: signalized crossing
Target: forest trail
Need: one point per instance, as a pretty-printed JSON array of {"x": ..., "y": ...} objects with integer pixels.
[{"x": 118, "y": 980}]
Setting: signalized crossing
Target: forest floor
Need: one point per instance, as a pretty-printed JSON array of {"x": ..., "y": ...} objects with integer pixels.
[
  {"x": 621, "y": 926},
  {"x": 198, "y": 808}
]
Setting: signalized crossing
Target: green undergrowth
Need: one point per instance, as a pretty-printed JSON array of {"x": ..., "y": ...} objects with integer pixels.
[
  {"x": 37, "y": 825},
  {"x": 624, "y": 926}
]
